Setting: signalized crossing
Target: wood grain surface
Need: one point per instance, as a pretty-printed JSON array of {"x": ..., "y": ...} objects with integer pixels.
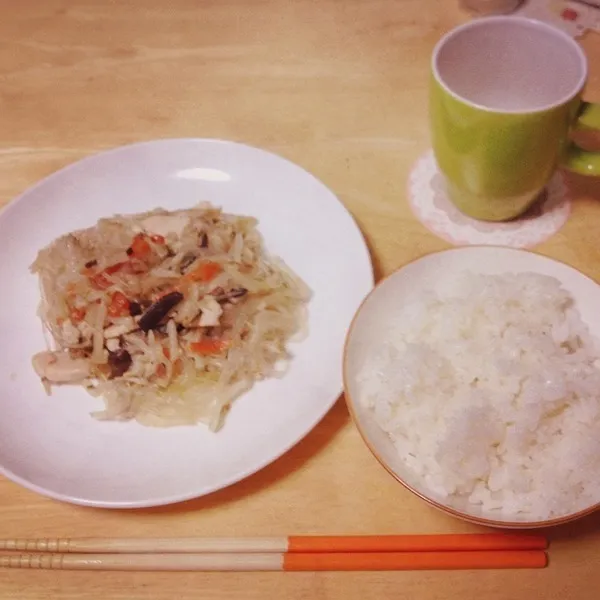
[{"x": 339, "y": 87}]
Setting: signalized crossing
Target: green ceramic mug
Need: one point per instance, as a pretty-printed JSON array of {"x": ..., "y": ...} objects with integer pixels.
[{"x": 505, "y": 94}]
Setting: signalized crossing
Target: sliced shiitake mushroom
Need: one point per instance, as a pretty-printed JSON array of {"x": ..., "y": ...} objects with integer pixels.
[
  {"x": 222, "y": 296},
  {"x": 135, "y": 309},
  {"x": 186, "y": 261},
  {"x": 159, "y": 310},
  {"x": 119, "y": 363}
]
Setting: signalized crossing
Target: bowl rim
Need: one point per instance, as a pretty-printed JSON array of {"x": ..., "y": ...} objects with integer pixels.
[{"x": 499, "y": 523}]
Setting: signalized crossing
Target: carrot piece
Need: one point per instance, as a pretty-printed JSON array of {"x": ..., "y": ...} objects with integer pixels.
[
  {"x": 140, "y": 248},
  {"x": 204, "y": 272},
  {"x": 101, "y": 281},
  {"x": 177, "y": 367},
  {"x": 119, "y": 305},
  {"x": 77, "y": 315},
  {"x": 114, "y": 268},
  {"x": 208, "y": 346},
  {"x": 416, "y": 543}
]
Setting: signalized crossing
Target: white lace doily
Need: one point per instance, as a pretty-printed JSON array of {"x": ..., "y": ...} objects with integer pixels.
[{"x": 431, "y": 205}]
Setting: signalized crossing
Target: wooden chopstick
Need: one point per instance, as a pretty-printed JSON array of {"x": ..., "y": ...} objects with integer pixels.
[
  {"x": 326, "y": 561},
  {"x": 290, "y": 544}
]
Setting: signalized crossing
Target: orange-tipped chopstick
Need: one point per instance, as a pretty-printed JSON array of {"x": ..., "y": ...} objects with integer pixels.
[
  {"x": 342, "y": 561},
  {"x": 417, "y": 543},
  {"x": 291, "y": 544}
]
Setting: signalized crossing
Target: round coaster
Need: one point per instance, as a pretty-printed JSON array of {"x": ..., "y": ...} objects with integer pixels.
[{"x": 431, "y": 205}]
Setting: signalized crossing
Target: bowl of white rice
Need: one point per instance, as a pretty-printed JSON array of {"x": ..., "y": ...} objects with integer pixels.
[{"x": 473, "y": 375}]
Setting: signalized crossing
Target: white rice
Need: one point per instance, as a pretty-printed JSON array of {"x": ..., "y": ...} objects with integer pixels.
[{"x": 492, "y": 397}]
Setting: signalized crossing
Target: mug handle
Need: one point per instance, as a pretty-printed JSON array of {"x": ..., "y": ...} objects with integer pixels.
[{"x": 578, "y": 160}]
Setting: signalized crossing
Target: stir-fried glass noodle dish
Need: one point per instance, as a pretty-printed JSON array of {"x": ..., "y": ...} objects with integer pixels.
[{"x": 168, "y": 316}]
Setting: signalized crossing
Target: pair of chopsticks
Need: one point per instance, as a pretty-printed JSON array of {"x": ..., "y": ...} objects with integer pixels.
[{"x": 293, "y": 553}]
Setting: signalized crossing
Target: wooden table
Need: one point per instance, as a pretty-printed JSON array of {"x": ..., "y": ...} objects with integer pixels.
[{"x": 340, "y": 87}]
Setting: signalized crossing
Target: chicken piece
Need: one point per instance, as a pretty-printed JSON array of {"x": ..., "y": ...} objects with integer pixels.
[
  {"x": 59, "y": 367},
  {"x": 166, "y": 224},
  {"x": 70, "y": 333},
  {"x": 125, "y": 326},
  {"x": 113, "y": 344},
  {"x": 211, "y": 312},
  {"x": 86, "y": 330}
]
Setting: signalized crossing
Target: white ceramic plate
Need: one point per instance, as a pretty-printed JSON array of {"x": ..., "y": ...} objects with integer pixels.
[
  {"x": 52, "y": 445},
  {"x": 439, "y": 272}
]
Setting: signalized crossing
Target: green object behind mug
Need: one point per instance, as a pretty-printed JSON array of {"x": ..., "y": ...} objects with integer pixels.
[{"x": 505, "y": 93}]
